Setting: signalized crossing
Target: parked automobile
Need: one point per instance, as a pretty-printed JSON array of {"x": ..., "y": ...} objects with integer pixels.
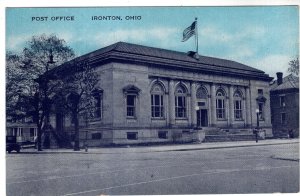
[{"x": 12, "y": 145}]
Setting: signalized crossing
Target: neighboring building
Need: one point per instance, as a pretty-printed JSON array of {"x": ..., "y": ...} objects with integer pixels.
[
  {"x": 152, "y": 95},
  {"x": 285, "y": 105},
  {"x": 25, "y": 132}
]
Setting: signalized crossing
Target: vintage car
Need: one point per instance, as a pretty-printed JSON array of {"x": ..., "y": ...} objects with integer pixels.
[{"x": 12, "y": 145}]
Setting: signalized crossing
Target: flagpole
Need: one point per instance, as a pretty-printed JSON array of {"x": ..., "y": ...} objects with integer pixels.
[{"x": 196, "y": 35}]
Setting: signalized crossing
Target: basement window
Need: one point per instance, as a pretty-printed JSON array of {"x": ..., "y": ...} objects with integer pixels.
[
  {"x": 96, "y": 136},
  {"x": 163, "y": 134},
  {"x": 132, "y": 135}
]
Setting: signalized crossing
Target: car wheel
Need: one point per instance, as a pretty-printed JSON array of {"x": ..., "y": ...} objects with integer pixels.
[{"x": 18, "y": 150}]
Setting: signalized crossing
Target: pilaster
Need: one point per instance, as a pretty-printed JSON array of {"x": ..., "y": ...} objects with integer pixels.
[
  {"x": 231, "y": 106},
  {"x": 193, "y": 104},
  {"x": 248, "y": 108},
  {"x": 171, "y": 103},
  {"x": 213, "y": 104}
]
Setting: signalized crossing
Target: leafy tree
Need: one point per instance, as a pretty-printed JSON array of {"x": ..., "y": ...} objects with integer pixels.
[
  {"x": 33, "y": 95},
  {"x": 15, "y": 85},
  {"x": 78, "y": 93},
  {"x": 294, "y": 66}
]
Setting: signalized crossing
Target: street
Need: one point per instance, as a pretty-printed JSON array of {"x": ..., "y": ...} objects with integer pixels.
[{"x": 255, "y": 169}]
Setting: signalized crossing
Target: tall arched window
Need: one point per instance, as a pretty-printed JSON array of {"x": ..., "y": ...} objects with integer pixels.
[
  {"x": 180, "y": 102},
  {"x": 220, "y": 104},
  {"x": 238, "y": 111},
  {"x": 157, "y": 101}
]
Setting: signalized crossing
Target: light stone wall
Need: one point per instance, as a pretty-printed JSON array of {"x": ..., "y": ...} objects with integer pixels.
[{"x": 116, "y": 76}]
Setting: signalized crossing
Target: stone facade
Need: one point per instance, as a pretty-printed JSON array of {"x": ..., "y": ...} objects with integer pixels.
[{"x": 144, "y": 101}]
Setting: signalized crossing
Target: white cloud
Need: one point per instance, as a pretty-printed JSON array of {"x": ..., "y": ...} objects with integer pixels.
[
  {"x": 251, "y": 32},
  {"x": 212, "y": 35},
  {"x": 161, "y": 35},
  {"x": 16, "y": 43},
  {"x": 272, "y": 64}
]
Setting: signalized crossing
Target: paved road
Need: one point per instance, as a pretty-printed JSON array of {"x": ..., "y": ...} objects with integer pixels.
[{"x": 258, "y": 169}]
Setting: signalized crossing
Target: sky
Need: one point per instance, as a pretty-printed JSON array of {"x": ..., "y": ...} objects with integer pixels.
[{"x": 264, "y": 37}]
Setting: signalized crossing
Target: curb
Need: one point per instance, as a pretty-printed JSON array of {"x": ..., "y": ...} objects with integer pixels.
[
  {"x": 167, "y": 150},
  {"x": 239, "y": 146}
]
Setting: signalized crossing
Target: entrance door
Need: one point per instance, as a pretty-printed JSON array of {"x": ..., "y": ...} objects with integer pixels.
[{"x": 202, "y": 120}]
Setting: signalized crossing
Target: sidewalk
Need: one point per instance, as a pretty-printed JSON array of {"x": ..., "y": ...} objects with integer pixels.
[{"x": 167, "y": 147}]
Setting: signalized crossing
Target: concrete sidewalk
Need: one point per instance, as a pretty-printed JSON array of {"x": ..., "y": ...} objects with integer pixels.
[{"x": 167, "y": 147}]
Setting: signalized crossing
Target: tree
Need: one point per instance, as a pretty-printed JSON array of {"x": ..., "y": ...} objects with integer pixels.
[
  {"x": 78, "y": 90},
  {"x": 16, "y": 85},
  {"x": 294, "y": 66},
  {"x": 41, "y": 54}
]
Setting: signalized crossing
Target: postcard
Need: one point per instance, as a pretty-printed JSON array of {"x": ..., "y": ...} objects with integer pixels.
[{"x": 141, "y": 100}]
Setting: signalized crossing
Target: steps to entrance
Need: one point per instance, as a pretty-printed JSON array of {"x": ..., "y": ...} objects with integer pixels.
[
  {"x": 213, "y": 134},
  {"x": 227, "y": 138}
]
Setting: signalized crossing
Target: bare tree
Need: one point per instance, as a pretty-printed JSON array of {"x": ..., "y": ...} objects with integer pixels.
[{"x": 294, "y": 66}]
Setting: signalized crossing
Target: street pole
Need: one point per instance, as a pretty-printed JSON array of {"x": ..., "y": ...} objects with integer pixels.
[{"x": 257, "y": 125}]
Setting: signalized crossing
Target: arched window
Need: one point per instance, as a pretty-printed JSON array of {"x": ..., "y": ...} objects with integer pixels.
[
  {"x": 220, "y": 104},
  {"x": 157, "y": 101},
  {"x": 180, "y": 102},
  {"x": 97, "y": 103},
  {"x": 201, "y": 93},
  {"x": 238, "y": 111},
  {"x": 202, "y": 96}
]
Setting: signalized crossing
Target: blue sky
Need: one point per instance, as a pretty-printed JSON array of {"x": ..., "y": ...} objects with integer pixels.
[{"x": 264, "y": 37}]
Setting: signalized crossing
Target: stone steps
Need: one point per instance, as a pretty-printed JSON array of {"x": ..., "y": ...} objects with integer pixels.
[
  {"x": 229, "y": 137},
  {"x": 220, "y": 131}
]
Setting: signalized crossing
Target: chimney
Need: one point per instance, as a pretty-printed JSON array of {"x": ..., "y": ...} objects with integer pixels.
[
  {"x": 193, "y": 54},
  {"x": 279, "y": 78}
]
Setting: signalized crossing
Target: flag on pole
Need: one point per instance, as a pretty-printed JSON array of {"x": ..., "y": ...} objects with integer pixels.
[{"x": 189, "y": 32}]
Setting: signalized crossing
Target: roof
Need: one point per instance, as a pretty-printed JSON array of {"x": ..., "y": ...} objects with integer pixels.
[
  {"x": 288, "y": 82},
  {"x": 134, "y": 53}
]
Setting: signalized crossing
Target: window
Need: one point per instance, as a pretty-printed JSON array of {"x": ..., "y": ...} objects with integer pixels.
[
  {"x": 131, "y": 93},
  {"x": 238, "y": 112},
  {"x": 261, "y": 111},
  {"x": 163, "y": 134},
  {"x": 157, "y": 101},
  {"x": 282, "y": 101},
  {"x": 283, "y": 118},
  {"x": 238, "y": 109},
  {"x": 31, "y": 132},
  {"x": 260, "y": 92},
  {"x": 97, "y": 104},
  {"x": 201, "y": 103},
  {"x": 15, "y": 132},
  {"x": 201, "y": 93},
  {"x": 96, "y": 136},
  {"x": 132, "y": 135},
  {"x": 220, "y": 104},
  {"x": 201, "y": 96},
  {"x": 131, "y": 99},
  {"x": 180, "y": 102}
]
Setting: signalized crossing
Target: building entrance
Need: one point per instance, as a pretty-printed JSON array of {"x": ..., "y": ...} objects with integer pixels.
[{"x": 202, "y": 120}]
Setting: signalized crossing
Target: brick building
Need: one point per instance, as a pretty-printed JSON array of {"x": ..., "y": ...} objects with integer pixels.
[
  {"x": 151, "y": 95},
  {"x": 285, "y": 105}
]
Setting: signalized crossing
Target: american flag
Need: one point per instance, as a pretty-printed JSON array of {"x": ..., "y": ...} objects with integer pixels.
[{"x": 189, "y": 32}]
